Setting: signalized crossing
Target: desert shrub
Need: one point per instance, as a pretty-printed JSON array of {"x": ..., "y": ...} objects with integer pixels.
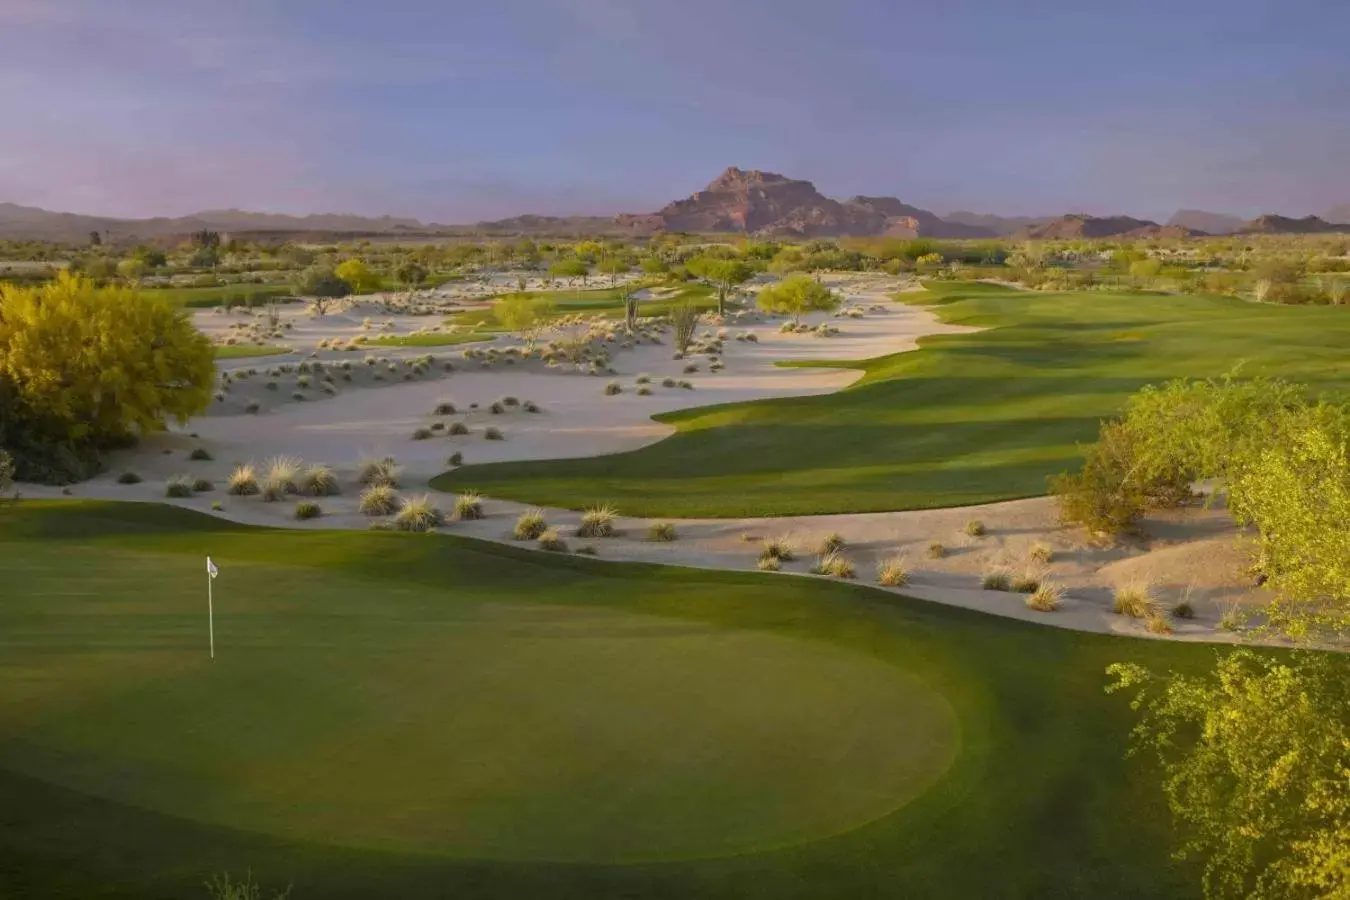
[
  {"x": 217, "y": 506},
  {"x": 307, "y": 509},
  {"x": 253, "y": 407},
  {"x": 468, "y": 506},
  {"x": 768, "y": 564},
  {"x": 777, "y": 548},
  {"x": 597, "y": 522},
  {"x": 551, "y": 540},
  {"x": 379, "y": 471},
  {"x": 1133, "y": 599},
  {"x": 661, "y": 531},
  {"x": 496, "y": 408},
  {"x": 530, "y": 406},
  {"x": 203, "y": 485},
  {"x": 668, "y": 382},
  {"x": 379, "y": 500},
  {"x": 643, "y": 379},
  {"x": 510, "y": 401},
  {"x": 1041, "y": 552},
  {"x": 444, "y": 408},
  {"x": 419, "y": 514},
  {"x": 1046, "y": 598},
  {"x": 319, "y": 481},
  {"x": 1027, "y": 582},
  {"x": 690, "y": 369},
  {"x": 178, "y": 487},
  {"x": 457, "y": 429},
  {"x": 1183, "y": 610},
  {"x": 996, "y": 580},
  {"x": 833, "y": 564},
  {"x": 456, "y": 459},
  {"x": 832, "y": 543},
  {"x": 613, "y": 388},
  {"x": 243, "y": 481},
  {"x": 421, "y": 434},
  {"x": 1157, "y": 623},
  {"x": 975, "y": 528},
  {"x": 936, "y": 550},
  {"x": 644, "y": 391},
  {"x": 200, "y": 454},
  {"x": 272, "y": 386},
  {"x": 298, "y": 396},
  {"x": 128, "y": 478},
  {"x": 893, "y": 572},
  {"x": 283, "y": 474},
  {"x": 687, "y": 385},
  {"x": 530, "y": 525},
  {"x": 492, "y": 433},
  {"x": 437, "y": 426}
]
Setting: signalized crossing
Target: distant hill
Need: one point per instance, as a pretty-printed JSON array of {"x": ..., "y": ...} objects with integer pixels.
[
  {"x": 1338, "y": 215},
  {"x": 1081, "y": 227},
  {"x": 927, "y": 224},
  {"x": 1001, "y": 226},
  {"x": 1208, "y": 222},
  {"x": 1273, "y": 224}
]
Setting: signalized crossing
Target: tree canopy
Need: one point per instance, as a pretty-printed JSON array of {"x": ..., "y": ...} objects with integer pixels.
[
  {"x": 358, "y": 275},
  {"x": 796, "y": 295}
]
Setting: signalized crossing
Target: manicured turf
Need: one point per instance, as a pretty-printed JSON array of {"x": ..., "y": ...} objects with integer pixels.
[
  {"x": 243, "y": 351},
  {"x": 201, "y": 297},
  {"x": 966, "y": 419},
  {"x": 607, "y": 302},
  {"x": 437, "y": 339},
  {"x": 409, "y": 716}
]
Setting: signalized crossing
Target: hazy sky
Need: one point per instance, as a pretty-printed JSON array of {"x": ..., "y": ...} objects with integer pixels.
[{"x": 454, "y": 111}]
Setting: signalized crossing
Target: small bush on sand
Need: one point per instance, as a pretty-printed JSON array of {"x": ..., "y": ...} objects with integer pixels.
[
  {"x": 1027, "y": 582},
  {"x": 1133, "y": 599},
  {"x": 421, "y": 434},
  {"x": 379, "y": 471},
  {"x": 597, "y": 522},
  {"x": 936, "y": 550},
  {"x": 1041, "y": 552},
  {"x": 419, "y": 514},
  {"x": 200, "y": 454},
  {"x": 661, "y": 531},
  {"x": 510, "y": 401},
  {"x": 318, "y": 481},
  {"x": 691, "y": 369},
  {"x": 202, "y": 485},
  {"x": 253, "y": 407},
  {"x": 468, "y": 506},
  {"x": 307, "y": 509},
  {"x": 668, "y": 382},
  {"x": 975, "y": 528},
  {"x": 834, "y": 564},
  {"x": 777, "y": 548},
  {"x": 893, "y": 572},
  {"x": 283, "y": 474},
  {"x": 768, "y": 564},
  {"x": 687, "y": 385},
  {"x": 832, "y": 543},
  {"x": 551, "y": 540},
  {"x": 613, "y": 388},
  {"x": 496, "y": 408},
  {"x": 492, "y": 433},
  {"x": 444, "y": 408},
  {"x": 217, "y": 505},
  {"x": 530, "y": 406},
  {"x": 379, "y": 500},
  {"x": 243, "y": 481},
  {"x": 530, "y": 525},
  {"x": 1157, "y": 623},
  {"x": 1183, "y": 610},
  {"x": 995, "y": 580},
  {"x": 457, "y": 429},
  {"x": 1046, "y": 598},
  {"x": 178, "y": 487},
  {"x": 644, "y": 379},
  {"x": 128, "y": 478},
  {"x": 456, "y": 459},
  {"x": 644, "y": 391}
]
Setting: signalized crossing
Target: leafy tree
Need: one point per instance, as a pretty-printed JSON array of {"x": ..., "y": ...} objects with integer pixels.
[
  {"x": 523, "y": 315},
  {"x": 358, "y": 276},
  {"x": 323, "y": 285},
  {"x": 132, "y": 269},
  {"x": 84, "y": 368},
  {"x": 1256, "y": 759},
  {"x": 571, "y": 269},
  {"x": 411, "y": 274},
  {"x": 95, "y": 239},
  {"x": 614, "y": 266},
  {"x": 796, "y": 295},
  {"x": 722, "y": 272}
]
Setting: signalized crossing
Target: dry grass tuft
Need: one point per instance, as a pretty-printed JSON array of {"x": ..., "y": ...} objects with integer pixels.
[
  {"x": 834, "y": 564},
  {"x": 383, "y": 471},
  {"x": 777, "y": 548},
  {"x": 936, "y": 550},
  {"x": 551, "y": 540},
  {"x": 661, "y": 532},
  {"x": 419, "y": 514},
  {"x": 530, "y": 525},
  {"x": 893, "y": 572},
  {"x": 1046, "y": 598},
  {"x": 319, "y": 481},
  {"x": 243, "y": 481},
  {"x": 996, "y": 580},
  {"x": 380, "y": 500},
  {"x": 975, "y": 528},
  {"x": 1133, "y": 599},
  {"x": 468, "y": 506},
  {"x": 178, "y": 487},
  {"x": 597, "y": 522}
]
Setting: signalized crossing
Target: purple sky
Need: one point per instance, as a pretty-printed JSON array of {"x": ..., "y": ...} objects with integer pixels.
[{"x": 453, "y": 111}]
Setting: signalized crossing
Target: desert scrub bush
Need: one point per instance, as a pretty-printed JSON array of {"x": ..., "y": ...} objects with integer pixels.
[
  {"x": 437, "y": 426},
  {"x": 419, "y": 514},
  {"x": 530, "y": 406},
  {"x": 243, "y": 481},
  {"x": 128, "y": 478},
  {"x": 272, "y": 386},
  {"x": 832, "y": 543},
  {"x": 510, "y": 401},
  {"x": 178, "y": 487},
  {"x": 383, "y": 471},
  {"x": 661, "y": 531},
  {"x": 1133, "y": 599},
  {"x": 202, "y": 485},
  {"x": 644, "y": 391},
  {"x": 1046, "y": 598},
  {"x": 1041, "y": 552},
  {"x": 687, "y": 385},
  {"x": 253, "y": 407},
  {"x": 217, "y": 506},
  {"x": 283, "y": 475},
  {"x": 379, "y": 500},
  {"x": 893, "y": 572},
  {"x": 468, "y": 506},
  {"x": 975, "y": 528},
  {"x": 768, "y": 564},
  {"x": 668, "y": 382},
  {"x": 444, "y": 408},
  {"x": 492, "y": 433},
  {"x": 421, "y": 434},
  {"x": 530, "y": 525},
  {"x": 643, "y": 378},
  {"x": 996, "y": 580},
  {"x": 551, "y": 540},
  {"x": 834, "y": 564},
  {"x": 318, "y": 481},
  {"x": 936, "y": 550},
  {"x": 1183, "y": 610},
  {"x": 200, "y": 454},
  {"x": 1027, "y": 582},
  {"x": 457, "y": 429},
  {"x": 496, "y": 408},
  {"x": 690, "y": 369},
  {"x": 456, "y": 459},
  {"x": 1156, "y": 623},
  {"x": 298, "y": 396},
  {"x": 307, "y": 509},
  {"x": 613, "y": 389},
  {"x": 777, "y": 548},
  {"x": 597, "y": 522}
]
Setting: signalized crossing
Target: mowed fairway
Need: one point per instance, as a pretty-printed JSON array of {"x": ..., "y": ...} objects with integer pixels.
[
  {"x": 412, "y": 716},
  {"x": 966, "y": 419}
]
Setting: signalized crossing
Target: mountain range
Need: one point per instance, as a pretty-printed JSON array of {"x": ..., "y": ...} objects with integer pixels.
[{"x": 740, "y": 201}]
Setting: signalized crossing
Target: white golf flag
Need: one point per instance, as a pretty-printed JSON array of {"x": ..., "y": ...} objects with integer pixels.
[{"x": 211, "y": 568}]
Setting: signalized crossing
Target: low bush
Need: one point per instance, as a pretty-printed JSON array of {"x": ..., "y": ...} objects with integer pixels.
[
  {"x": 530, "y": 406},
  {"x": 893, "y": 572},
  {"x": 1027, "y": 582},
  {"x": 468, "y": 506},
  {"x": 1046, "y": 598},
  {"x": 419, "y": 514},
  {"x": 128, "y": 478},
  {"x": 768, "y": 564},
  {"x": 493, "y": 434},
  {"x": 833, "y": 564},
  {"x": 319, "y": 481},
  {"x": 283, "y": 475},
  {"x": 457, "y": 429},
  {"x": 832, "y": 543},
  {"x": 243, "y": 481},
  {"x": 383, "y": 471},
  {"x": 530, "y": 525},
  {"x": 421, "y": 434},
  {"x": 777, "y": 548},
  {"x": 661, "y": 531},
  {"x": 1183, "y": 610},
  {"x": 975, "y": 528},
  {"x": 200, "y": 454},
  {"x": 379, "y": 500},
  {"x": 1041, "y": 552},
  {"x": 203, "y": 485},
  {"x": 613, "y": 388},
  {"x": 996, "y": 580},
  {"x": 551, "y": 540},
  {"x": 178, "y": 487},
  {"x": 936, "y": 550},
  {"x": 597, "y": 522},
  {"x": 444, "y": 408},
  {"x": 456, "y": 459},
  {"x": 1157, "y": 623},
  {"x": 307, "y": 509},
  {"x": 496, "y": 408},
  {"x": 1133, "y": 599}
]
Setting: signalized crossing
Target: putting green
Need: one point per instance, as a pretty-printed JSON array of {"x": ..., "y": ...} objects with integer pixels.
[{"x": 396, "y": 717}]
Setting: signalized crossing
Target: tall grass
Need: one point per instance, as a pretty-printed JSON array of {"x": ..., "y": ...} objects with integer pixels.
[
  {"x": 319, "y": 481},
  {"x": 597, "y": 522},
  {"x": 893, "y": 572},
  {"x": 530, "y": 525},
  {"x": 379, "y": 500},
  {"x": 243, "y": 481},
  {"x": 468, "y": 506},
  {"x": 419, "y": 514}
]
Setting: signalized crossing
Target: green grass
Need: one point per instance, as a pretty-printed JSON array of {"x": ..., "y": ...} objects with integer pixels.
[
  {"x": 201, "y": 297},
  {"x": 243, "y": 351},
  {"x": 966, "y": 419},
  {"x": 607, "y": 302},
  {"x": 412, "y": 716},
  {"x": 437, "y": 339}
]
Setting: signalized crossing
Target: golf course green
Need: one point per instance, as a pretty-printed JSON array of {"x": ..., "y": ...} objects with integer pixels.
[
  {"x": 967, "y": 418},
  {"x": 429, "y": 716}
]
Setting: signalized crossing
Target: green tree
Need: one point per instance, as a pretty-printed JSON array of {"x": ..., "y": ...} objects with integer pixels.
[
  {"x": 322, "y": 285},
  {"x": 133, "y": 269},
  {"x": 411, "y": 274},
  {"x": 358, "y": 276},
  {"x": 571, "y": 268},
  {"x": 614, "y": 265},
  {"x": 797, "y": 295},
  {"x": 6, "y": 472},
  {"x": 721, "y": 272},
  {"x": 524, "y": 315}
]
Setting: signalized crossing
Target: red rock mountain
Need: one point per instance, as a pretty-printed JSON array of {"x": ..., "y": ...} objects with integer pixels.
[
  {"x": 1080, "y": 227},
  {"x": 1272, "y": 224}
]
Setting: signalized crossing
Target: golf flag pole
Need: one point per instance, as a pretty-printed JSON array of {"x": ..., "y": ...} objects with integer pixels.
[{"x": 211, "y": 573}]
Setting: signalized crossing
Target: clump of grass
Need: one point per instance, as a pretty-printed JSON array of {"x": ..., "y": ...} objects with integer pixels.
[
  {"x": 319, "y": 481},
  {"x": 777, "y": 548},
  {"x": 1027, "y": 582},
  {"x": 379, "y": 471},
  {"x": 492, "y": 433},
  {"x": 419, "y": 514},
  {"x": 243, "y": 481},
  {"x": 1232, "y": 618},
  {"x": 203, "y": 485},
  {"x": 893, "y": 572},
  {"x": 421, "y": 434},
  {"x": 530, "y": 406},
  {"x": 597, "y": 522},
  {"x": 644, "y": 391},
  {"x": 128, "y": 478},
  {"x": 457, "y": 429},
  {"x": 510, "y": 401},
  {"x": 1041, "y": 552},
  {"x": 1183, "y": 610},
  {"x": 613, "y": 388},
  {"x": 530, "y": 525},
  {"x": 468, "y": 506},
  {"x": 307, "y": 509},
  {"x": 283, "y": 475},
  {"x": 1046, "y": 598},
  {"x": 217, "y": 505},
  {"x": 644, "y": 378},
  {"x": 444, "y": 408},
  {"x": 1133, "y": 599},
  {"x": 661, "y": 532},
  {"x": 496, "y": 408},
  {"x": 456, "y": 459},
  {"x": 936, "y": 550},
  {"x": 1157, "y": 623},
  {"x": 996, "y": 580},
  {"x": 178, "y": 487},
  {"x": 668, "y": 382},
  {"x": 832, "y": 543},
  {"x": 687, "y": 385},
  {"x": 975, "y": 528},
  {"x": 551, "y": 540},
  {"x": 768, "y": 564},
  {"x": 379, "y": 500},
  {"x": 834, "y": 564},
  {"x": 691, "y": 368},
  {"x": 200, "y": 454},
  {"x": 253, "y": 407}
]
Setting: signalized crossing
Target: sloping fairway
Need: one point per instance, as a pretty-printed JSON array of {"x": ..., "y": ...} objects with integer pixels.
[
  {"x": 410, "y": 716},
  {"x": 965, "y": 419}
]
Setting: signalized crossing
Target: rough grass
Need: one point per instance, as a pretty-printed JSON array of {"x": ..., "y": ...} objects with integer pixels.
[
  {"x": 893, "y": 572},
  {"x": 530, "y": 525},
  {"x": 1046, "y": 598},
  {"x": 965, "y": 419},
  {"x": 834, "y": 564},
  {"x": 996, "y": 580},
  {"x": 662, "y": 532},
  {"x": 308, "y": 509},
  {"x": 550, "y": 539},
  {"x": 243, "y": 481},
  {"x": 1133, "y": 599},
  {"x": 319, "y": 481},
  {"x": 379, "y": 500},
  {"x": 385, "y": 471},
  {"x": 597, "y": 522},
  {"x": 468, "y": 506},
  {"x": 419, "y": 514},
  {"x": 178, "y": 487}
]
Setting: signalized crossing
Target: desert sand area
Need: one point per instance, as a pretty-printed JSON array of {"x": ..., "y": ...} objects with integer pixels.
[{"x": 383, "y": 401}]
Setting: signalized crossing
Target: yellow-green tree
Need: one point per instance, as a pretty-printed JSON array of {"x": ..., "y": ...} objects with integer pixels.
[
  {"x": 87, "y": 366},
  {"x": 523, "y": 315},
  {"x": 796, "y": 295},
  {"x": 356, "y": 273}
]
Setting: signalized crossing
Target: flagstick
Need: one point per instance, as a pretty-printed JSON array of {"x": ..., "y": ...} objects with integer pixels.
[{"x": 211, "y": 614}]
